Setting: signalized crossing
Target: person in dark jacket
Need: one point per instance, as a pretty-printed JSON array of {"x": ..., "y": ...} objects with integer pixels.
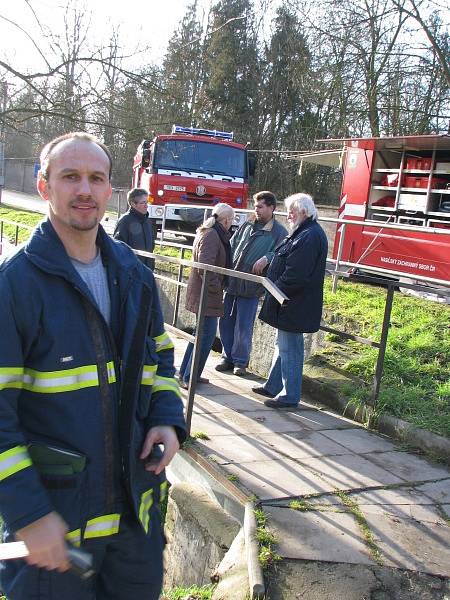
[
  {"x": 135, "y": 228},
  {"x": 252, "y": 248},
  {"x": 87, "y": 394},
  {"x": 298, "y": 270},
  {"x": 211, "y": 247}
]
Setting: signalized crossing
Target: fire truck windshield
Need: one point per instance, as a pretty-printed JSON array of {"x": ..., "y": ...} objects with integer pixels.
[{"x": 200, "y": 157}]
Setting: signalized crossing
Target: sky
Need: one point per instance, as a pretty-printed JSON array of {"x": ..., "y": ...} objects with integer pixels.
[{"x": 149, "y": 24}]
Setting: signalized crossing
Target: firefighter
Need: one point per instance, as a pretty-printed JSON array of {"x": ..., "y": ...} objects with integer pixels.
[{"x": 87, "y": 395}]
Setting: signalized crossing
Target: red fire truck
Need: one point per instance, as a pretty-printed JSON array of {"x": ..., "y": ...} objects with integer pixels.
[
  {"x": 394, "y": 180},
  {"x": 192, "y": 167}
]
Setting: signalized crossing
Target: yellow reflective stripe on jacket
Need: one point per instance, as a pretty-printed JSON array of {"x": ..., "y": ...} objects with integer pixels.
[
  {"x": 102, "y": 526},
  {"x": 51, "y": 382},
  {"x": 163, "y": 491},
  {"x": 166, "y": 384},
  {"x": 11, "y": 377},
  {"x": 74, "y": 537},
  {"x": 148, "y": 374},
  {"x": 163, "y": 342},
  {"x": 14, "y": 460},
  {"x": 146, "y": 503}
]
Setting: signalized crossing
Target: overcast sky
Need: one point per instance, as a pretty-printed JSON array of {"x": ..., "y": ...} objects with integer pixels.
[{"x": 148, "y": 23}]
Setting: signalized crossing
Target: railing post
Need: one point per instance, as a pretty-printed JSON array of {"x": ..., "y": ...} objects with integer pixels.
[
  {"x": 383, "y": 344},
  {"x": 338, "y": 258},
  {"x": 176, "y": 305},
  {"x": 16, "y": 242},
  {"x": 196, "y": 350}
]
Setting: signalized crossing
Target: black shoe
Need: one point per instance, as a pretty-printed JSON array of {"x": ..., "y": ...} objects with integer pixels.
[
  {"x": 224, "y": 365},
  {"x": 277, "y": 404},
  {"x": 240, "y": 371},
  {"x": 262, "y": 391},
  {"x": 202, "y": 380}
]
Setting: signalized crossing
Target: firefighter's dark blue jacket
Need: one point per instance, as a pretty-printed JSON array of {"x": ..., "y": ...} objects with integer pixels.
[{"x": 69, "y": 381}]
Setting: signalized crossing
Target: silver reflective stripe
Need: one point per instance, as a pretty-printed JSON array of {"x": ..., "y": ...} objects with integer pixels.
[
  {"x": 166, "y": 384},
  {"x": 14, "y": 460},
  {"x": 102, "y": 526},
  {"x": 11, "y": 377},
  {"x": 146, "y": 503},
  {"x": 148, "y": 374},
  {"x": 74, "y": 537},
  {"x": 163, "y": 342}
]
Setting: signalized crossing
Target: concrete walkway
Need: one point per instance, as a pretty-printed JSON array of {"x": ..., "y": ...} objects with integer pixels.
[{"x": 370, "y": 520}]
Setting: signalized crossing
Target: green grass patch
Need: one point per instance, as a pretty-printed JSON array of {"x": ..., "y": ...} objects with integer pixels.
[
  {"x": 268, "y": 557},
  {"x": 300, "y": 505},
  {"x": 362, "y": 524},
  {"x": 194, "y": 592},
  {"x": 200, "y": 435},
  {"x": 22, "y": 217},
  {"x": 416, "y": 378}
]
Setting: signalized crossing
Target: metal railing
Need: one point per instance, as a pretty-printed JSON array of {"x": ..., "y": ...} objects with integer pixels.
[{"x": 196, "y": 340}]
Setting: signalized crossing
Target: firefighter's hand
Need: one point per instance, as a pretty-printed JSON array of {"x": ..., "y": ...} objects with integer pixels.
[
  {"x": 165, "y": 435},
  {"x": 45, "y": 541},
  {"x": 260, "y": 265}
]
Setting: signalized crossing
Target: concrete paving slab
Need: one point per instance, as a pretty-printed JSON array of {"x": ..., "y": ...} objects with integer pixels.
[
  {"x": 361, "y": 441},
  {"x": 320, "y": 420},
  {"x": 409, "y": 466},
  {"x": 438, "y": 490},
  {"x": 425, "y": 513},
  {"x": 402, "y": 496},
  {"x": 257, "y": 422},
  {"x": 409, "y": 544},
  {"x": 229, "y": 401},
  {"x": 272, "y": 479},
  {"x": 331, "y": 537},
  {"x": 446, "y": 510},
  {"x": 242, "y": 449},
  {"x": 347, "y": 471}
]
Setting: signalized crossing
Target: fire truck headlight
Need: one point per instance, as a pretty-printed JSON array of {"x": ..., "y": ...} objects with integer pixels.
[
  {"x": 150, "y": 199},
  {"x": 160, "y": 193},
  {"x": 159, "y": 212}
]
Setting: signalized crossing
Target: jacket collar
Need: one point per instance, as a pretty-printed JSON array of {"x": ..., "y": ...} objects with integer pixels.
[
  {"x": 267, "y": 227},
  {"x": 47, "y": 252},
  {"x": 137, "y": 214}
]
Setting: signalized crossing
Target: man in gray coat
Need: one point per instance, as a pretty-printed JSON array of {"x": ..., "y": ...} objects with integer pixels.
[
  {"x": 252, "y": 248},
  {"x": 134, "y": 227}
]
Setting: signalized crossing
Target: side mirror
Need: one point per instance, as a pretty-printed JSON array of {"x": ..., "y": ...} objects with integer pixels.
[{"x": 251, "y": 164}]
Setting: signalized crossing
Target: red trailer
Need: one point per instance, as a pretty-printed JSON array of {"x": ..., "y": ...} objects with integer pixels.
[
  {"x": 192, "y": 167},
  {"x": 396, "y": 180}
]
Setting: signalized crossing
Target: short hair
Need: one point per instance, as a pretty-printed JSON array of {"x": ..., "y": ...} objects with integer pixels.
[
  {"x": 302, "y": 202},
  {"x": 136, "y": 193},
  {"x": 47, "y": 150},
  {"x": 269, "y": 198},
  {"x": 220, "y": 212}
]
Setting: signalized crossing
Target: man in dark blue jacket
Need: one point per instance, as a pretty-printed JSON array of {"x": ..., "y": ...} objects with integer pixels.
[
  {"x": 298, "y": 270},
  {"x": 87, "y": 395},
  {"x": 134, "y": 227}
]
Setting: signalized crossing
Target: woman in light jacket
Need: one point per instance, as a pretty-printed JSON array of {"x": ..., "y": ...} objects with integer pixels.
[{"x": 212, "y": 247}]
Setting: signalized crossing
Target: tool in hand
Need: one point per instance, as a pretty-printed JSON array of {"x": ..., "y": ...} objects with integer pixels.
[{"x": 81, "y": 562}]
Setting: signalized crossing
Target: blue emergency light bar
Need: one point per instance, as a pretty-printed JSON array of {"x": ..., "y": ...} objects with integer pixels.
[{"x": 224, "y": 135}]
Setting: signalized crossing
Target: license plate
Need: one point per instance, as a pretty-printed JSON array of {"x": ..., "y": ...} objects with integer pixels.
[{"x": 175, "y": 188}]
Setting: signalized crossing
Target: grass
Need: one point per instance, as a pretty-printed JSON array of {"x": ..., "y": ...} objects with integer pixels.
[
  {"x": 362, "y": 524},
  {"x": 416, "y": 377},
  {"x": 23, "y": 217},
  {"x": 266, "y": 540},
  {"x": 194, "y": 592}
]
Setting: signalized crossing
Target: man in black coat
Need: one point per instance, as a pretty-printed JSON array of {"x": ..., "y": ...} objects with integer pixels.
[
  {"x": 134, "y": 227},
  {"x": 298, "y": 270}
]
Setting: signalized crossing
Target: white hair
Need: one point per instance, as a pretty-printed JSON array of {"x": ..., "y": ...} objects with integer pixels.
[
  {"x": 220, "y": 213},
  {"x": 302, "y": 202}
]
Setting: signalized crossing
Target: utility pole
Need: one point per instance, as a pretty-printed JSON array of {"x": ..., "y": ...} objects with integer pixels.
[{"x": 4, "y": 92}]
